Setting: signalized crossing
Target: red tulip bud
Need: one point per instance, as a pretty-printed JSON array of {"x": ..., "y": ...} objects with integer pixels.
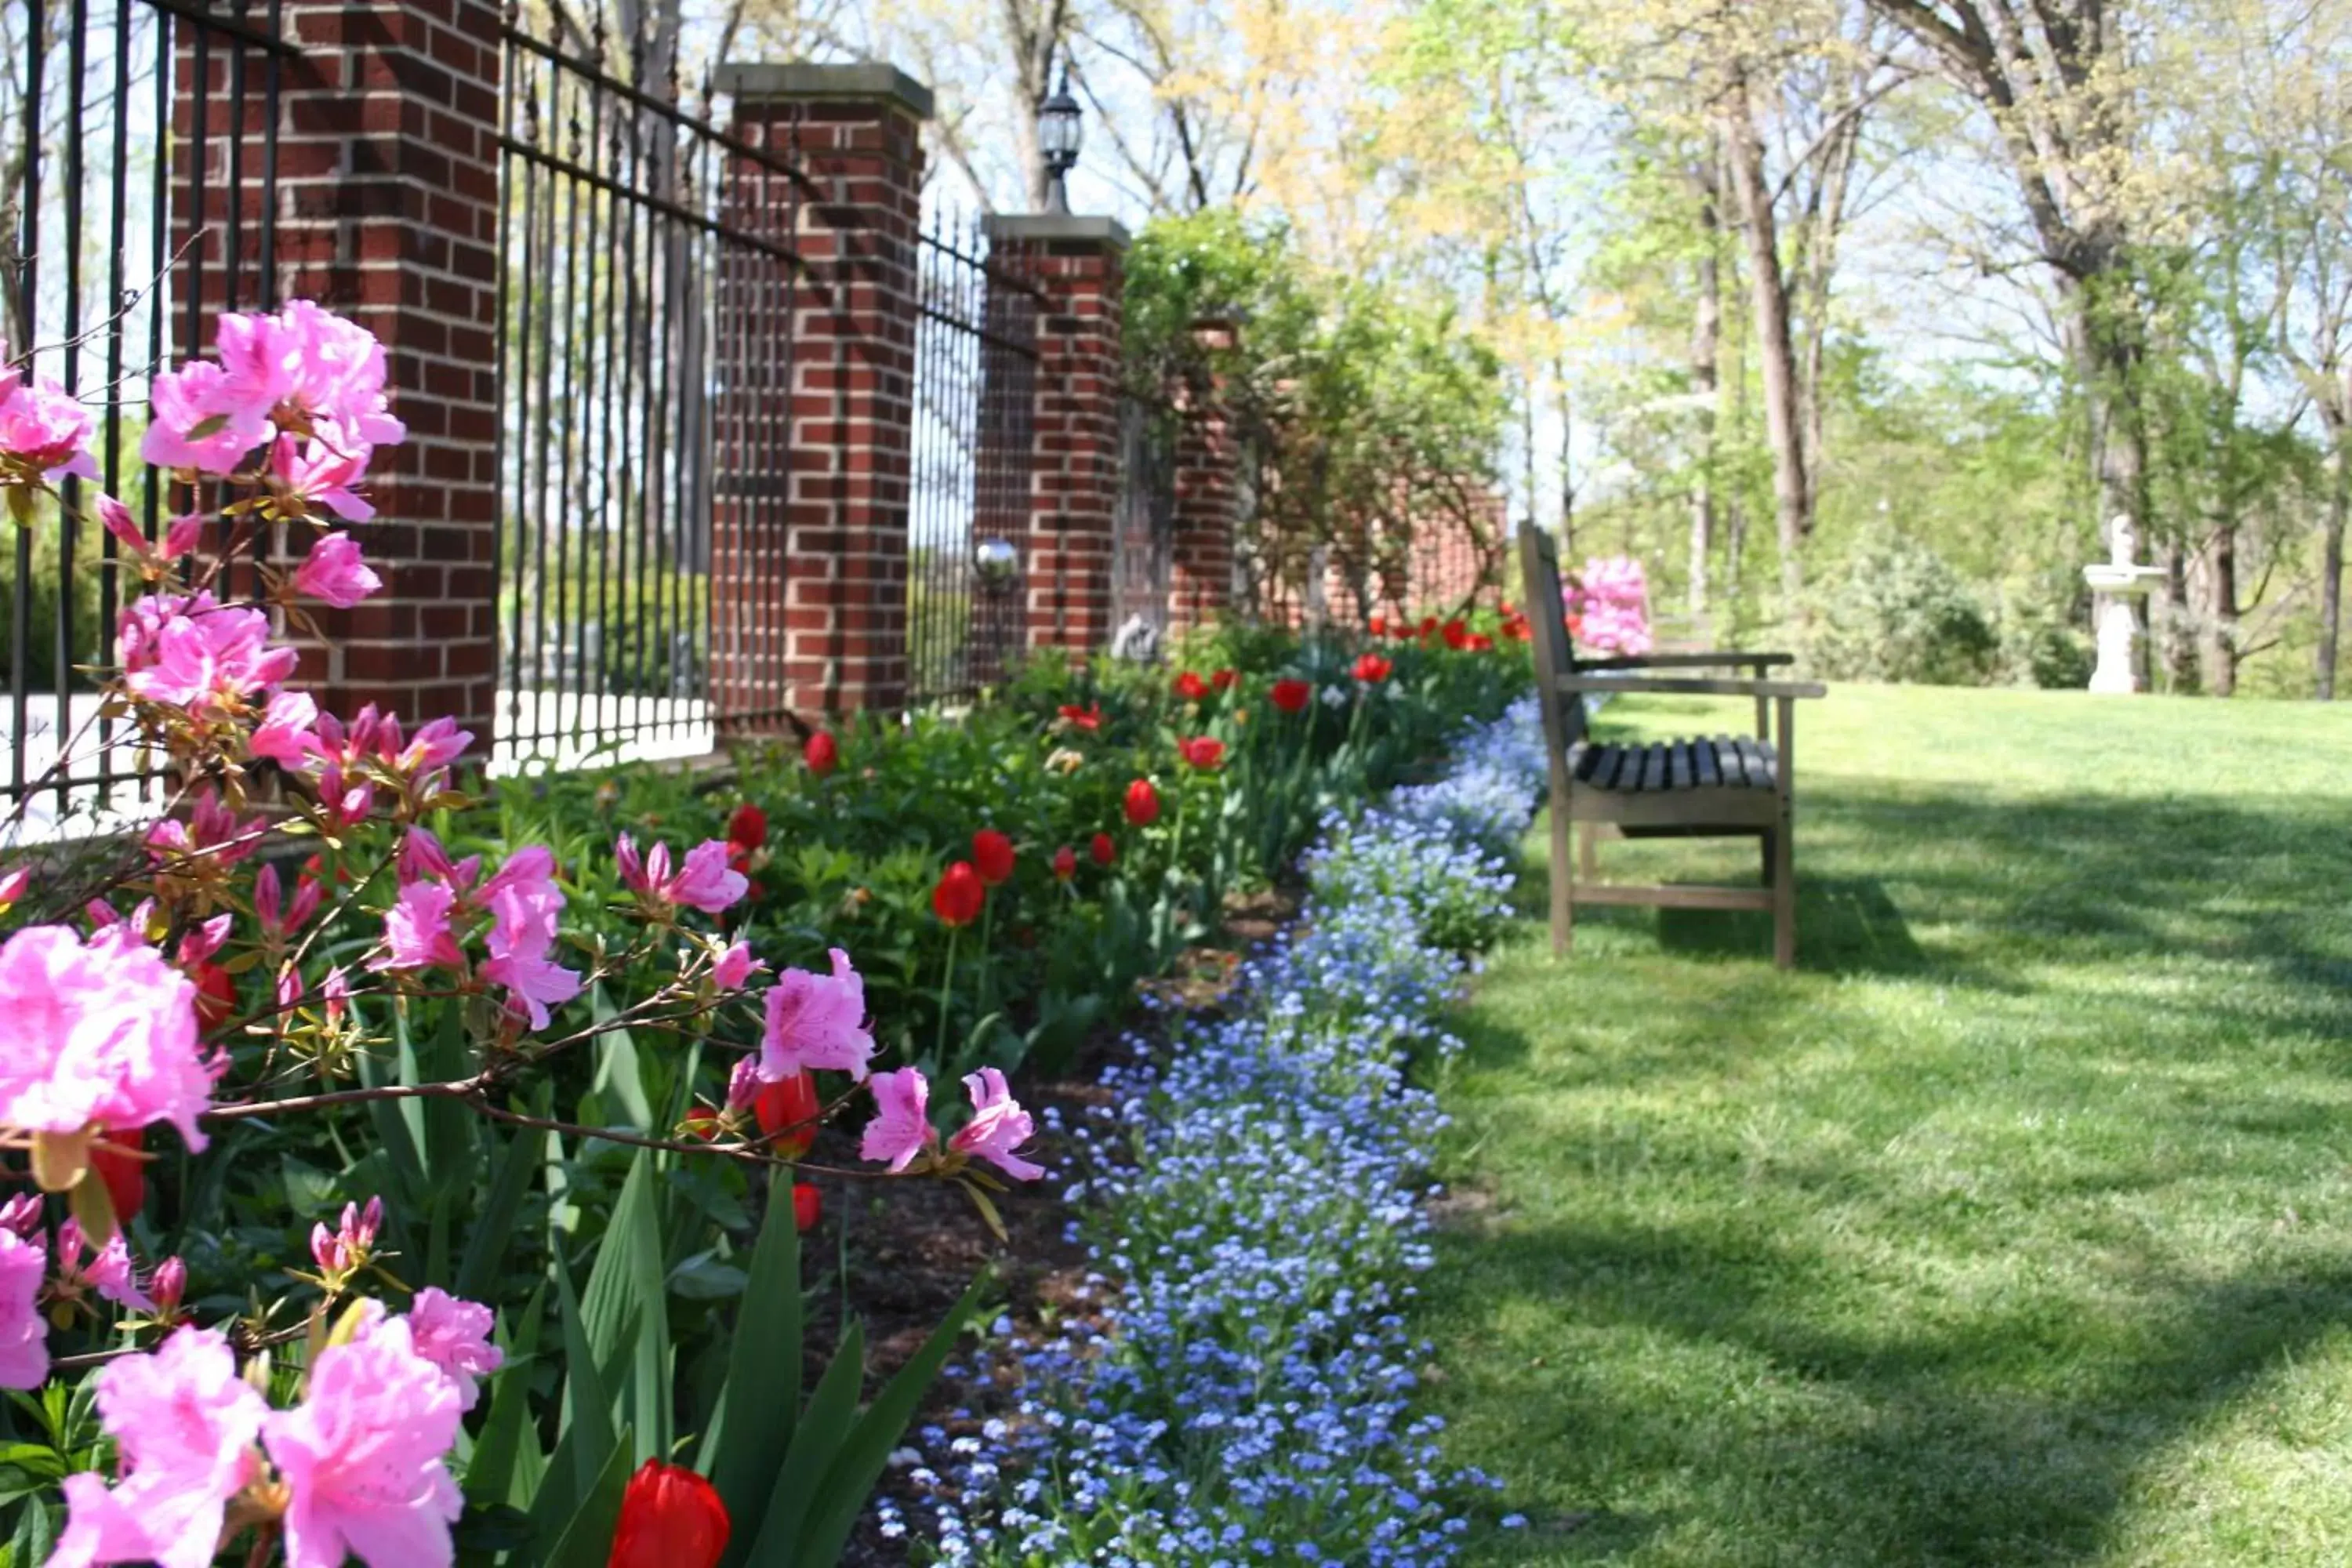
[{"x": 670, "y": 1517}]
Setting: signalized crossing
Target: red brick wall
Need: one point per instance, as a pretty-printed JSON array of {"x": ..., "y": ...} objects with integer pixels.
[
  {"x": 388, "y": 177},
  {"x": 856, "y": 133},
  {"x": 1077, "y": 265},
  {"x": 1208, "y": 497}
]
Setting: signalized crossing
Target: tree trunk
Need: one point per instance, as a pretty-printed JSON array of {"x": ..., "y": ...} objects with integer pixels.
[
  {"x": 2219, "y": 625},
  {"x": 2174, "y": 647},
  {"x": 2337, "y": 417},
  {"x": 1768, "y": 290},
  {"x": 1820, "y": 262},
  {"x": 1706, "y": 333}
]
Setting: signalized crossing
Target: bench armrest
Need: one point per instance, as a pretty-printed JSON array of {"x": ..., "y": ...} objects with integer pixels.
[
  {"x": 1685, "y": 661},
  {"x": 1684, "y": 686}
]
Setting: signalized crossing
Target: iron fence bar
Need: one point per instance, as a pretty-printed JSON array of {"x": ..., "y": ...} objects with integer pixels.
[
  {"x": 28, "y": 251},
  {"x": 207, "y": 20}
]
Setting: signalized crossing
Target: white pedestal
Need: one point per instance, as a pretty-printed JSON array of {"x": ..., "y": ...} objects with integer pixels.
[{"x": 2118, "y": 642}]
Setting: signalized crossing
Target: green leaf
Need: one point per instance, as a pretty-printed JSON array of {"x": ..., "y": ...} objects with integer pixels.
[
  {"x": 744, "y": 1451},
  {"x": 617, "y": 1072},
  {"x": 587, "y": 1541},
  {"x": 491, "y": 1474},
  {"x": 849, "y": 1479},
  {"x": 824, "y": 1428},
  {"x": 588, "y": 1438},
  {"x": 624, "y": 1307},
  {"x": 485, "y": 1250}
]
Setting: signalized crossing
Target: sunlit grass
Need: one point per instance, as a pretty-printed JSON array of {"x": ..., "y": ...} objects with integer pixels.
[{"x": 2011, "y": 1228}]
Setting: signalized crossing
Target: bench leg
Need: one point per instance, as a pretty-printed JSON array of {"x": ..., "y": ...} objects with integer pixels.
[
  {"x": 1764, "y": 846},
  {"x": 1588, "y": 852},
  {"x": 1783, "y": 879},
  {"x": 1563, "y": 874}
]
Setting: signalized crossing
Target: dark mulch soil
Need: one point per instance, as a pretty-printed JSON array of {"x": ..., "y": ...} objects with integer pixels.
[{"x": 912, "y": 1248}]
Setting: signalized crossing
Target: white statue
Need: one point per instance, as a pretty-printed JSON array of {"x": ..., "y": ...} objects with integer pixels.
[{"x": 2119, "y": 581}]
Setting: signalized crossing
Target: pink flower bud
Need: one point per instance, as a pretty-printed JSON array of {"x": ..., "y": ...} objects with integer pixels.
[
  {"x": 22, "y": 1215},
  {"x": 13, "y": 884},
  {"x": 335, "y": 572},
  {"x": 169, "y": 1284},
  {"x": 744, "y": 1084}
]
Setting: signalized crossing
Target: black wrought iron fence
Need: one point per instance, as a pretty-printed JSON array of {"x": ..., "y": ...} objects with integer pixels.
[
  {"x": 643, "y": 249},
  {"x": 1144, "y": 532},
  {"x": 975, "y": 399},
  {"x": 140, "y": 140}
]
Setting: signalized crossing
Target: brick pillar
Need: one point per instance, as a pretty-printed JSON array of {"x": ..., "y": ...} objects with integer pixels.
[
  {"x": 1208, "y": 495},
  {"x": 1078, "y": 266},
  {"x": 836, "y": 639},
  {"x": 387, "y": 214}
]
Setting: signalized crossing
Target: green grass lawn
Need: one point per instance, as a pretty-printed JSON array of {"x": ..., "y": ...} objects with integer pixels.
[{"x": 2014, "y": 1226}]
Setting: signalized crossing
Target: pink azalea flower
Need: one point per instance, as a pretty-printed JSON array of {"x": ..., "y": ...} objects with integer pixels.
[
  {"x": 352, "y": 1241},
  {"x": 524, "y": 903},
  {"x": 307, "y": 365},
  {"x": 322, "y": 469},
  {"x": 24, "y": 1333},
  {"x": 362, "y": 1457},
  {"x": 200, "y": 422},
  {"x": 205, "y": 941},
  {"x": 901, "y": 1129},
  {"x": 416, "y": 932},
  {"x": 179, "y": 538},
  {"x": 816, "y": 1021},
  {"x": 998, "y": 1127},
  {"x": 184, "y": 1424},
  {"x": 435, "y": 745},
  {"x": 705, "y": 882},
  {"x": 22, "y": 1215},
  {"x": 735, "y": 966},
  {"x": 44, "y": 431},
  {"x": 454, "y": 1334},
  {"x": 13, "y": 884},
  {"x": 96, "y": 1037},
  {"x": 277, "y": 914},
  {"x": 336, "y": 572},
  {"x": 192, "y": 650},
  {"x": 421, "y": 855},
  {"x": 285, "y": 734}
]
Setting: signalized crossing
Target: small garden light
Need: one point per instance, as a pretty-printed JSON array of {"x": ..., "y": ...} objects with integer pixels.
[{"x": 1058, "y": 136}]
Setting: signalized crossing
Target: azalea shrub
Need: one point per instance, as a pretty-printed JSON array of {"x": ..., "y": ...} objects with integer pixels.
[{"x": 360, "y": 1150}]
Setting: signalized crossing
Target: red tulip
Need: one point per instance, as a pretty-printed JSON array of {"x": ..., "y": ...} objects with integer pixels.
[
  {"x": 1377, "y": 625},
  {"x": 1457, "y": 635},
  {"x": 823, "y": 754},
  {"x": 1142, "y": 803},
  {"x": 1371, "y": 669},
  {"x": 1190, "y": 687},
  {"x": 992, "y": 854},
  {"x": 1202, "y": 752},
  {"x": 957, "y": 898},
  {"x": 1065, "y": 863},
  {"x": 215, "y": 995},
  {"x": 1087, "y": 719},
  {"x": 789, "y": 1106},
  {"x": 1103, "y": 850},
  {"x": 748, "y": 828},
  {"x": 670, "y": 1517},
  {"x": 125, "y": 1175},
  {"x": 1223, "y": 680},
  {"x": 807, "y": 1208},
  {"x": 1292, "y": 696},
  {"x": 1481, "y": 643}
]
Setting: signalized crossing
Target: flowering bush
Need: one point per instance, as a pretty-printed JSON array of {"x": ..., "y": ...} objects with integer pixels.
[
  {"x": 1244, "y": 1396},
  {"x": 399, "y": 1014},
  {"x": 1608, "y": 606}
]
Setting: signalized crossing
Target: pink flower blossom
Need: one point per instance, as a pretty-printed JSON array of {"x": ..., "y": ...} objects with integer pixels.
[
  {"x": 454, "y": 1334},
  {"x": 305, "y": 366},
  {"x": 705, "y": 882},
  {"x": 284, "y": 735},
  {"x": 362, "y": 1457},
  {"x": 322, "y": 470},
  {"x": 184, "y": 1424},
  {"x": 277, "y": 915},
  {"x": 524, "y": 903},
  {"x": 336, "y": 573},
  {"x": 435, "y": 745},
  {"x": 1610, "y": 600},
  {"x": 24, "y": 1333},
  {"x": 735, "y": 966},
  {"x": 901, "y": 1129},
  {"x": 816, "y": 1021},
  {"x": 998, "y": 1127},
  {"x": 100, "y": 1037},
  {"x": 179, "y": 538},
  {"x": 205, "y": 940},
  {"x": 192, "y": 650},
  {"x": 44, "y": 431},
  {"x": 22, "y": 1215},
  {"x": 199, "y": 421},
  {"x": 416, "y": 932},
  {"x": 109, "y": 1272}
]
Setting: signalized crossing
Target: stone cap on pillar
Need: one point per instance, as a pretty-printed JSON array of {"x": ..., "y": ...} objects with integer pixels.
[
  {"x": 800, "y": 80},
  {"x": 1057, "y": 228}
]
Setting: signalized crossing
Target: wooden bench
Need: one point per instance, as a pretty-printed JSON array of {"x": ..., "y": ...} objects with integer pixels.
[{"x": 1718, "y": 786}]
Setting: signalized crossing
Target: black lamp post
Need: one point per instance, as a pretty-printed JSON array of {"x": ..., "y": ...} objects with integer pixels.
[{"x": 1058, "y": 135}]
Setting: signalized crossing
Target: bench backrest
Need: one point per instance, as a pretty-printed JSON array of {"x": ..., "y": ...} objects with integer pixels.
[{"x": 1563, "y": 714}]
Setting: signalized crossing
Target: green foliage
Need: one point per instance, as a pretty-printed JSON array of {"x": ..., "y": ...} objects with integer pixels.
[
  {"x": 1365, "y": 410},
  {"x": 1901, "y": 613}
]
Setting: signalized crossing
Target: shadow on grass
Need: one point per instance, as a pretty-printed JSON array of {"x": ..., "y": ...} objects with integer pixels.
[{"x": 1911, "y": 1449}]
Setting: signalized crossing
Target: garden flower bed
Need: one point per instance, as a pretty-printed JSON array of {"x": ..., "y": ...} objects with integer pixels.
[{"x": 1251, "y": 1206}]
